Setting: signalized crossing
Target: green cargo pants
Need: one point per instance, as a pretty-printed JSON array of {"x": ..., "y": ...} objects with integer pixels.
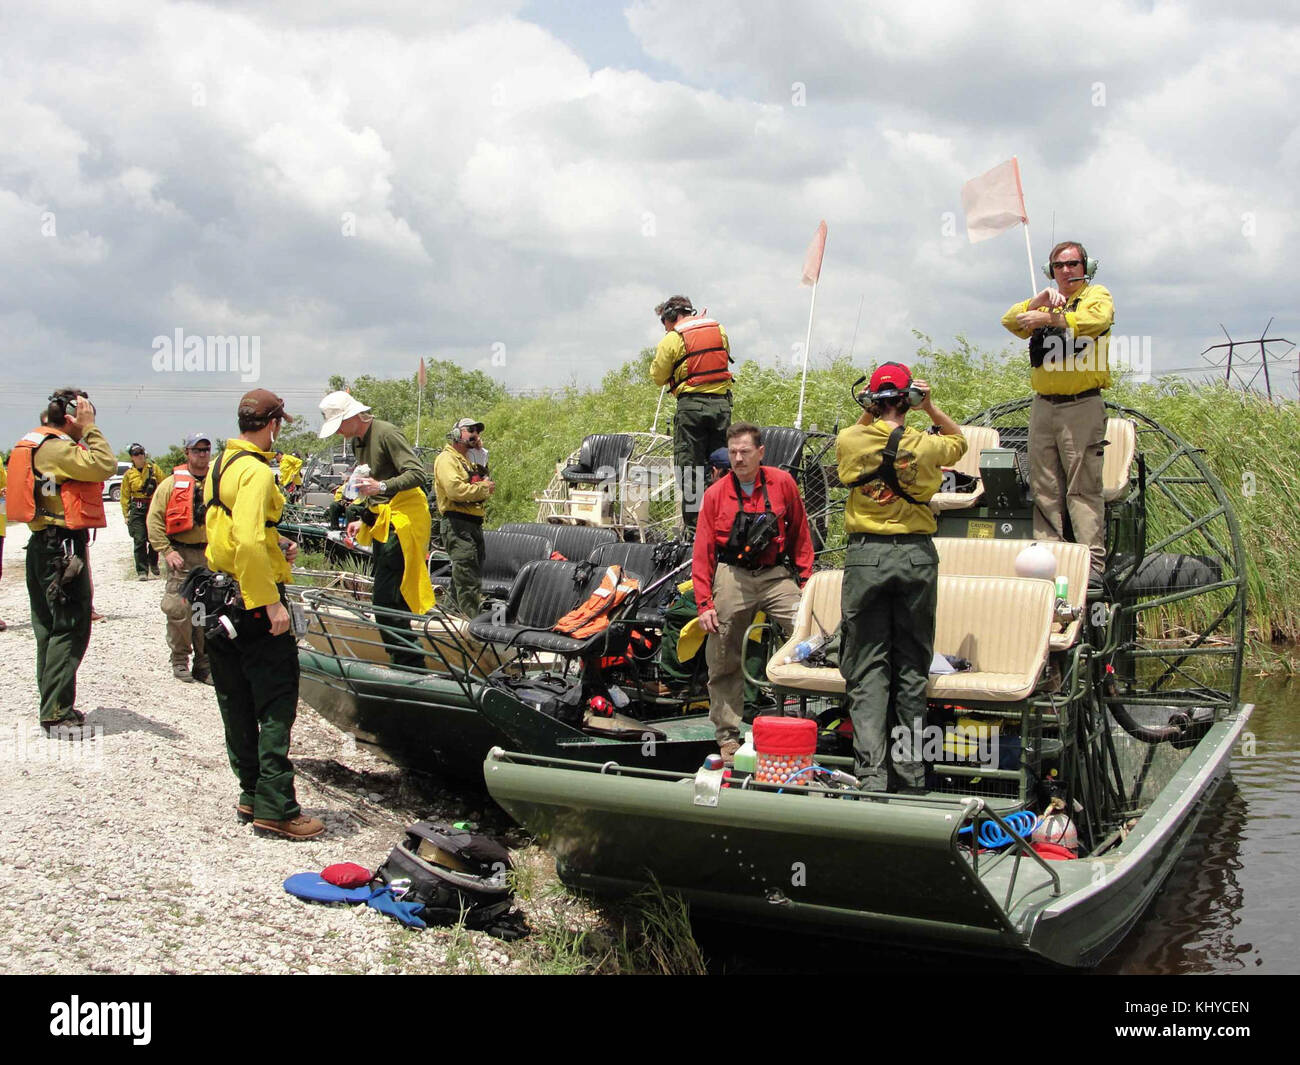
[
  {"x": 61, "y": 623},
  {"x": 389, "y": 565},
  {"x": 146, "y": 558},
  {"x": 888, "y": 598},
  {"x": 462, "y": 538},
  {"x": 699, "y": 429},
  {"x": 257, "y": 693}
]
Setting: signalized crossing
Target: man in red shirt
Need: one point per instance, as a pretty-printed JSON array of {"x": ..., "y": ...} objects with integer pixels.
[{"x": 753, "y": 551}]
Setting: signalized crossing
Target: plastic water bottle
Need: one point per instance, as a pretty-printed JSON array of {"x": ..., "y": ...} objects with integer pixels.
[
  {"x": 746, "y": 758},
  {"x": 350, "y": 490},
  {"x": 806, "y": 648}
]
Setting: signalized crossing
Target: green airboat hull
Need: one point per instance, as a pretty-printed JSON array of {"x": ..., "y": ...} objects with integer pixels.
[
  {"x": 881, "y": 870},
  {"x": 433, "y": 723}
]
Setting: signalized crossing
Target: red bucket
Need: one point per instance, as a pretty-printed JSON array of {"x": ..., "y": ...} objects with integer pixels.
[{"x": 784, "y": 746}]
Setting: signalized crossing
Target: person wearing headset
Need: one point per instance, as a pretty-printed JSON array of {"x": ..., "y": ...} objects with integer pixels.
[
  {"x": 891, "y": 571},
  {"x": 56, "y": 475},
  {"x": 395, "y": 522},
  {"x": 1068, "y": 329},
  {"x": 462, "y": 489}
]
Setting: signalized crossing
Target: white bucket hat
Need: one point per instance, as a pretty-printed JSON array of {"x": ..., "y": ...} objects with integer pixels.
[{"x": 338, "y": 407}]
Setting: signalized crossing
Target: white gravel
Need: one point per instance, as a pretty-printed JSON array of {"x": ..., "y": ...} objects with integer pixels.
[{"x": 123, "y": 855}]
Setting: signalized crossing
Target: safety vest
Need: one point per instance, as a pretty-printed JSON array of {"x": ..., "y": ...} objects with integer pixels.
[
  {"x": 706, "y": 356},
  {"x": 180, "y": 505},
  {"x": 83, "y": 501},
  {"x": 593, "y": 615}
]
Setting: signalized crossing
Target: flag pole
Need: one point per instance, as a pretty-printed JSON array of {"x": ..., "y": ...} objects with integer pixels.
[
  {"x": 419, "y": 405},
  {"x": 798, "y": 418},
  {"x": 1033, "y": 278},
  {"x": 654, "y": 429}
]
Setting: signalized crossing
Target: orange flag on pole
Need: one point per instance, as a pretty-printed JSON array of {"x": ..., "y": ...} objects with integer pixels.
[
  {"x": 421, "y": 378},
  {"x": 994, "y": 201},
  {"x": 812, "y": 262}
]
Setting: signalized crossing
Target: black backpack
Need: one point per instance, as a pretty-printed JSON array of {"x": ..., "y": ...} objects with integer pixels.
[{"x": 455, "y": 874}]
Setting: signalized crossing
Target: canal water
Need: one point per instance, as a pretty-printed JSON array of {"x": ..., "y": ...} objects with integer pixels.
[{"x": 1227, "y": 907}]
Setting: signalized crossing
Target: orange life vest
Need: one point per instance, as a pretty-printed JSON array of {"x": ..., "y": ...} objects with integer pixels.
[
  {"x": 180, "y": 505},
  {"x": 593, "y": 615},
  {"x": 83, "y": 501},
  {"x": 706, "y": 356}
]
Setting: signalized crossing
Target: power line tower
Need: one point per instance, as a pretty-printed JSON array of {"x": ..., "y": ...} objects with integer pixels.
[{"x": 1246, "y": 367}]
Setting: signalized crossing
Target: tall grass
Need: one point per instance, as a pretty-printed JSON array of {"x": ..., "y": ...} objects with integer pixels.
[{"x": 1241, "y": 435}]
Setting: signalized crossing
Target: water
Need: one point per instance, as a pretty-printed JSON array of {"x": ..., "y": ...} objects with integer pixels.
[{"x": 1227, "y": 907}]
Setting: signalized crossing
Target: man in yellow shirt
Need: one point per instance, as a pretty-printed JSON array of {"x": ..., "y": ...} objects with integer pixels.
[
  {"x": 1068, "y": 328},
  {"x": 256, "y": 672},
  {"x": 138, "y": 486},
  {"x": 462, "y": 493},
  {"x": 693, "y": 362},
  {"x": 55, "y": 484},
  {"x": 891, "y": 571}
]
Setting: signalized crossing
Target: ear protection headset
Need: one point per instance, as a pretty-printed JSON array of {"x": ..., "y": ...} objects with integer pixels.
[
  {"x": 456, "y": 435},
  {"x": 1089, "y": 265},
  {"x": 63, "y": 403},
  {"x": 865, "y": 398}
]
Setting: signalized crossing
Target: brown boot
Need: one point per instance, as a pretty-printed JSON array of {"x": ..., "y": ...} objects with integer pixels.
[
  {"x": 728, "y": 749},
  {"x": 244, "y": 813},
  {"x": 299, "y": 827}
]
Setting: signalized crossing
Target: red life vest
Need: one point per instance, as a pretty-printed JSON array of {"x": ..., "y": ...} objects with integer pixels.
[
  {"x": 83, "y": 501},
  {"x": 180, "y": 505},
  {"x": 593, "y": 615},
  {"x": 706, "y": 355}
]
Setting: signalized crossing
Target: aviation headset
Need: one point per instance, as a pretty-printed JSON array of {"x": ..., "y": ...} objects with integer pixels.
[
  {"x": 865, "y": 398},
  {"x": 1089, "y": 265},
  {"x": 456, "y": 434},
  {"x": 62, "y": 404}
]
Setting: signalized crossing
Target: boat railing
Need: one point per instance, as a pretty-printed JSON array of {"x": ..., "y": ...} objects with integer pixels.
[{"x": 978, "y": 811}]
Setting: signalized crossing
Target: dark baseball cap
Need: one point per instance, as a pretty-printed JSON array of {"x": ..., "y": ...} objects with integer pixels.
[
  {"x": 720, "y": 459},
  {"x": 261, "y": 403},
  {"x": 135, "y": 449}
]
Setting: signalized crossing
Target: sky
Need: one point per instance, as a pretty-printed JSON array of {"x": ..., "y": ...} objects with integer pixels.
[{"x": 343, "y": 188}]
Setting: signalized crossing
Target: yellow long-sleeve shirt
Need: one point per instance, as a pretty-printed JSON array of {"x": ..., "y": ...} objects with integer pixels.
[
  {"x": 452, "y": 486},
  {"x": 133, "y": 482},
  {"x": 874, "y": 507},
  {"x": 671, "y": 348},
  {"x": 241, "y": 543},
  {"x": 1089, "y": 313},
  {"x": 65, "y": 460}
]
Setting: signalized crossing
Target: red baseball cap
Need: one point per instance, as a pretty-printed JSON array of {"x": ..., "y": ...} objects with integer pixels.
[{"x": 890, "y": 377}]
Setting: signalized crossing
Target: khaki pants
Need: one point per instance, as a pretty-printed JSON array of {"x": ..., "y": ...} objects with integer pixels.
[
  {"x": 1066, "y": 448},
  {"x": 739, "y": 594},
  {"x": 182, "y": 634}
]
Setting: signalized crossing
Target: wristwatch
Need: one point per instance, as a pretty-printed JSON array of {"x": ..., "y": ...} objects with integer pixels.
[{"x": 383, "y": 488}]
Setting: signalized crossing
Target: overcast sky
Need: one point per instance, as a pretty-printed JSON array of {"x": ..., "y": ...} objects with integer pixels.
[{"x": 513, "y": 186}]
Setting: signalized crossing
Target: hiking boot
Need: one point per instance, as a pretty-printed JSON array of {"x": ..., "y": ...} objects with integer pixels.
[
  {"x": 155, "y": 571},
  {"x": 728, "y": 749},
  {"x": 143, "y": 577},
  {"x": 299, "y": 827},
  {"x": 183, "y": 673},
  {"x": 68, "y": 727},
  {"x": 244, "y": 813},
  {"x": 201, "y": 673}
]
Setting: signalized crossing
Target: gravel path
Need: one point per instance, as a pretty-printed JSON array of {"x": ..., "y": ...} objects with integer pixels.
[{"x": 123, "y": 854}]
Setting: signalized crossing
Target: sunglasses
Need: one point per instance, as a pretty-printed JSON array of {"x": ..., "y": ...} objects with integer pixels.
[
  {"x": 1066, "y": 264},
  {"x": 200, "y": 450}
]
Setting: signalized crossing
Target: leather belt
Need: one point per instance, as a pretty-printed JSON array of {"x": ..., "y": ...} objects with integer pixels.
[{"x": 1070, "y": 399}]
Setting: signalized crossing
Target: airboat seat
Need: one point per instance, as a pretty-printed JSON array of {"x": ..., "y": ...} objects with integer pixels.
[
  {"x": 1000, "y": 624},
  {"x": 1121, "y": 447},
  {"x": 317, "y": 499},
  {"x": 542, "y": 593},
  {"x": 651, "y": 561},
  {"x": 978, "y": 439},
  {"x": 601, "y": 458},
  {"x": 505, "y": 555},
  {"x": 997, "y": 558},
  {"x": 574, "y": 542},
  {"x": 783, "y": 448}
]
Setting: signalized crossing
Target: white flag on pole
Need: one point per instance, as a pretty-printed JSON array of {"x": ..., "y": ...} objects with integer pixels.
[{"x": 994, "y": 201}]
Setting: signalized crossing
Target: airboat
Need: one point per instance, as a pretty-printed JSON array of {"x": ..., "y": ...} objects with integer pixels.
[{"x": 1116, "y": 707}]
